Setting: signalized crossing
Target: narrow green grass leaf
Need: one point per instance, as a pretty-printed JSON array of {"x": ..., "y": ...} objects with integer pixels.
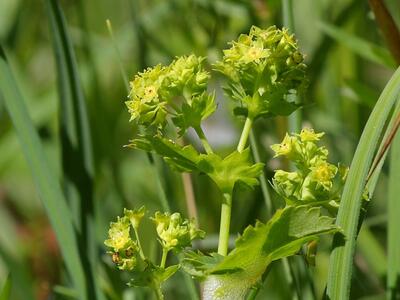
[
  {"x": 77, "y": 153},
  {"x": 359, "y": 46},
  {"x": 6, "y": 290},
  {"x": 393, "y": 273},
  {"x": 46, "y": 182},
  {"x": 372, "y": 251},
  {"x": 341, "y": 262},
  {"x": 75, "y": 133},
  {"x": 20, "y": 274}
]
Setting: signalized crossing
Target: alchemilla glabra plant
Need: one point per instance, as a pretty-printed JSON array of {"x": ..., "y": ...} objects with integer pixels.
[{"x": 264, "y": 73}]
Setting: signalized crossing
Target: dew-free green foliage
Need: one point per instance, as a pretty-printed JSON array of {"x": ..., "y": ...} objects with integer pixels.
[
  {"x": 267, "y": 67},
  {"x": 225, "y": 172},
  {"x": 68, "y": 71},
  {"x": 232, "y": 276}
]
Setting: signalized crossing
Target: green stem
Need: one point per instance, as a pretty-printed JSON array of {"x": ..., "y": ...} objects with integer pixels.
[
  {"x": 203, "y": 139},
  {"x": 158, "y": 292},
  {"x": 139, "y": 245},
  {"x": 164, "y": 258},
  {"x": 263, "y": 181},
  {"x": 226, "y": 209},
  {"x": 245, "y": 134}
]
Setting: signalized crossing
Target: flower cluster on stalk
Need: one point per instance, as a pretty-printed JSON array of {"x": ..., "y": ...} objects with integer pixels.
[
  {"x": 264, "y": 68},
  {"x": 315, "y": 180},
  {"x": 161, "y": 90},
  {"x": 176, "y": 233},
  {"x": 124, "y": 248}
]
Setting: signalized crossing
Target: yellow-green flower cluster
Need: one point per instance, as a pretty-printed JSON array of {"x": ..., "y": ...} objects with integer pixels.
[
  {"x": 124, "y": 249},
  {"x": 185, "y": 77},
  {"x": 315, "y": 177},
  {"x": 154, "y": 92},
  {"x": 176, "y": 233},
  {"x": 145, "y": 104},
  {"x": 264, "y": 68}
]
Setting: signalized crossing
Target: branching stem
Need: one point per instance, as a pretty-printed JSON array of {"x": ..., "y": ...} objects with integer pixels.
[{"x": 226, "y": 208}]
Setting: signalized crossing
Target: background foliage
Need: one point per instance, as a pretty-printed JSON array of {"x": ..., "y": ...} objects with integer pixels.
[{"x": 69, "y": 73}]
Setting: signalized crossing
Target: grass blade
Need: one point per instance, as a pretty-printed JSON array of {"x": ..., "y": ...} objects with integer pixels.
[
  {"x": 393, "y": 273},
  {"x": 359, "y": 46},
  {"x": 46, "y": 182},
  {"x": 77, "y": 153},
  {"x": 20, "y": 274},
  {"x": 6, "y": 290},
  {"x": 341, "y": 261}
]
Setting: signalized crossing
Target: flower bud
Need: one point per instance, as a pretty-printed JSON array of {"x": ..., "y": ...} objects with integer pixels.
[
  {"x": 174, "y": 232},
  {"x": 135, "y": 216}
]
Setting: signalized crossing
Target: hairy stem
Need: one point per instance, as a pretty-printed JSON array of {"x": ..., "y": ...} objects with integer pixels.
[
  {"x": 225, "y": 224},
  {"x": 158, "y": 292},
  {"x": 203, "y": 139}
]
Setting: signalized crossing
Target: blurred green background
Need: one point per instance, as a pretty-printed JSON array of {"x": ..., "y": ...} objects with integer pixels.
[{"x": 349, "y": 64}]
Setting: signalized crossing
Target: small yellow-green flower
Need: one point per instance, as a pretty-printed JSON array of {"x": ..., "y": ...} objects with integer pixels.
[
  {"x": 266, "y": 61},
  {"x": 308, "y": 135},
  {"x": 314, "y": 177},
  {"x": 323, "y": 173},
  {"x": 174, "y": 231},
  {"x": 286, "y": 147},
  {"x": 119, "y": 237},
  {"x": 145, "y": 104},
  {"x": 135, "y": 216}
]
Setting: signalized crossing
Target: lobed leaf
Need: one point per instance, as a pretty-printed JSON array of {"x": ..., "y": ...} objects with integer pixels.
[
  {"x": 232, "y": 276},
  {"x": 225, "y": 172}
]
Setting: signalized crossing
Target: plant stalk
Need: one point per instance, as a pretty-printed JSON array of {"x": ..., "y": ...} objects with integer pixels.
[
  {"x": 203, "y": 140},
  {"x": 245, "y": 134},
  {"x": 164, "y": 258},
  {"x": 139, "y": 245},
  {"x": 226, "y": 209},
  {"x": 158, "y": 292}
]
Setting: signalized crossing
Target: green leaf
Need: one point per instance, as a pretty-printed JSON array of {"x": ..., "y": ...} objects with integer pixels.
[
  {"x": 197, "y": 264},
  {"x": 359, "y": 46},
  {"x": 235, "y": 168},
  {"x": 46, "y": 182},
  {"x": 6, "y": 290},
  {"x": 393, "y": 273},
  {"x": 232, "y": 276},
  {"x": 76, "y": 144},
  {"x": 341, "y": 262},
  {"x": 225, "y": 172},
  {"x": 193, "y": 113},
  {"x": 182, "y": 159},
  {"x": 152, "y": 275}
]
